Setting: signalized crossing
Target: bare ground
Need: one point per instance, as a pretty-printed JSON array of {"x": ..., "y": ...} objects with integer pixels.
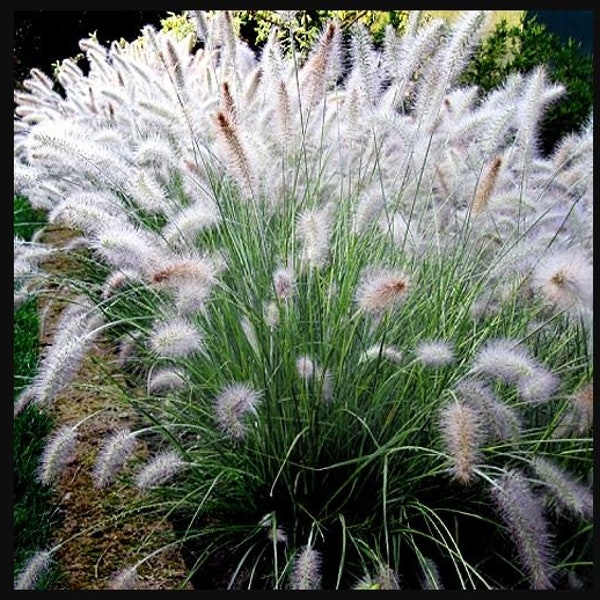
[{"x": 102, "y": 544}]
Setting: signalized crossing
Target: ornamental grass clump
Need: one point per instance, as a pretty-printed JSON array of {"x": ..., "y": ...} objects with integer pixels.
[{"x": 330, "y": 280}]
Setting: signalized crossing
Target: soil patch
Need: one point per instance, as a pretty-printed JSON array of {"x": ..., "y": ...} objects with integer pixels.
[{"x": 102, "y": 544}]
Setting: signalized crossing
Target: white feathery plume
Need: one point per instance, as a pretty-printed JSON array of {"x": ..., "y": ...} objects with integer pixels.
[
  {"x": 117, "y": 280},
  {"x": 175, "y": 338},
  {"x": 505, "y": 359},
  {"x": 381, "y": 289},
  {"x": 68, "y": 147},
  {"x": 88, "y": 211},
  {"x": 162, "y": 467},
  {"x": 450, "y": 58},
  {"x": 117, "y": 447},
  {"x": 521, "y": 510},
  {"x": 564, "y": 278},
  {"x": 236, "y": 154},
  {"x": 402, "y": 57},
  {"x": 126, "y": 246},
  {"x": 232, "y": 405},
  {"x": 147, "y": 192},
  {"x": 125, "y": 579},
  {"x": 271, "y": 314},
  {"x": 165, "y": 379},
  {"x": 57, "y": 454},
  {"x": 434, "y": 353},
  {"x": 566, "y": 492},
  {"x": 188, "y": 222},
  {"x": 578, "y": 419},
  {"x": 537, "y": 386},
  {"x": 76, "y": 331},
  {"x": 322, "y": 68},
  {"x": 306, "y": 570},
  {"x": 284, "y": 282},
  {"x": 250, "y": 333},
  {"x": 309, "y": 370},
  {"x": 365, "y": 76},
  {"x": 313, "y": 229},
  {"x": 463, "y": 433},
  {"x": 390, "y": 353},
  {"x": 34, "y": 569},
  {"x": 499, "y": 420},
  {"x": 536, "y": 94},
  {"x": 24, "y": 399}
]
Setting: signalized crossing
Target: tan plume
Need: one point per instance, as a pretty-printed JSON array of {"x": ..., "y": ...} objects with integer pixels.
[{"x": 486, "y": 185}]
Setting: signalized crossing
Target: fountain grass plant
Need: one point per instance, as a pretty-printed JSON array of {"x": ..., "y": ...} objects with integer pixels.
[{"x": 347, "y": 286}]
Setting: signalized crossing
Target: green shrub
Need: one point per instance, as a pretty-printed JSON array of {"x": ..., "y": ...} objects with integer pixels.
[{"x": 308, "y": 24}]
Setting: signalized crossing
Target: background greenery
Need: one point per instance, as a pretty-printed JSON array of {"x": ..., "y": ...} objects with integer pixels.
[{"x": 34, "y": 512}]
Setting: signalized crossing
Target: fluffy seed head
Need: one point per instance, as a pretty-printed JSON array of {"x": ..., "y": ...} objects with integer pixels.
[
  {"x": 583, "y": 408},
  {"x": 198, "y": 269},
  {"x": 271, "y": 315},
  {"x": 462, "y": 433},
  {"x": 381, "y": 289},
  {"x": 434, "y": 353},
  {"x": 567, "y": 493},
  {"x": 505, "y": 359},
  {"x": 522, "y": 513},
  {"x": 125, "y": 579},
  {"x": 165, "y": 379},
  {"x": 278, "y": 534},
  {"x": 57, "y": 454},
  {"x": 500, "y": 421},
  {"x": 235, "y": 153},
  {"x": 430, "y": 575},
  {"x": 564, "y": 278},
  {"x": 116, "y": 449},
  {"x": 60, "y": 362},
  {"x": 190, "y": 221},
  {"x": 159, "y": 469},
  {"x": 127, "y": 347},
  {"x": 283, "y": 281},
  {"x": 486, "y": 184},
  {"x": 578, "y": 419},
  {"x": 127, "y": 247},
  {"x": 387, "y": 352},
  {"x": 24, "y": 399},
  {"x": 34, "y": 568},
  {"x": 309, "y": 370},
  {"x": 387, "y": 579},
  {"x": 537, "y": 386},
  {"x": 231, "y": 407},
  {"x": 250, "y": 333},
  {"x": 175, "y": 339},
  {"x": 306, "y": 571},
  {"x": 306, "y": 367},
  {"x": 116, "y": 280},
  {"x": 313, "y": 229}
]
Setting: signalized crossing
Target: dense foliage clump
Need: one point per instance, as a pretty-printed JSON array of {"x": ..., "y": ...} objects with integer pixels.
[{"x": 357, "y": 295}]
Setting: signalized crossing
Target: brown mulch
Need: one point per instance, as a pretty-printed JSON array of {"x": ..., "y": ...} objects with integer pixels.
[{"x": 102, "y": 543}]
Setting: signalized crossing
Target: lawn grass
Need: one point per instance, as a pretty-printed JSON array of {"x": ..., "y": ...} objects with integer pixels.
[{"x": 33, "y": 509}]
